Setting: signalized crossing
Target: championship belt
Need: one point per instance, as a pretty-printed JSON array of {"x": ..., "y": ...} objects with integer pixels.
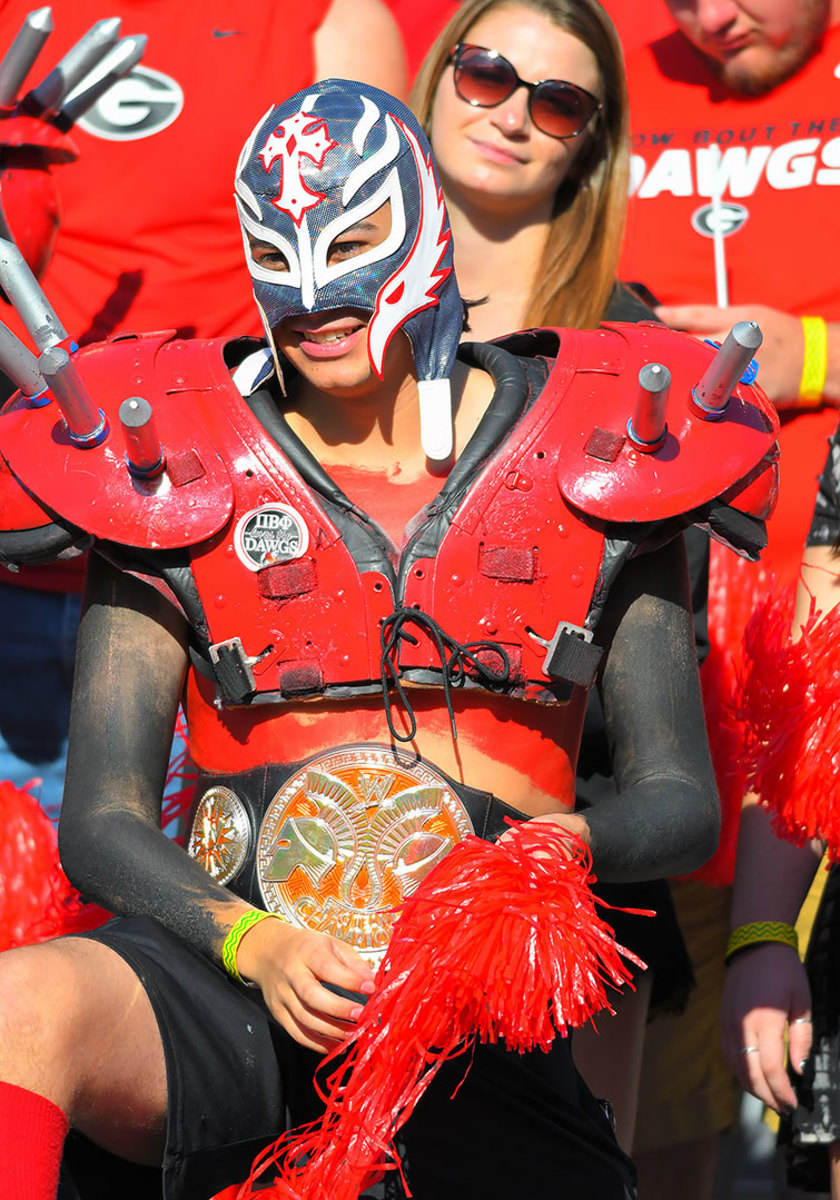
[{"x": 341, "y": 842}]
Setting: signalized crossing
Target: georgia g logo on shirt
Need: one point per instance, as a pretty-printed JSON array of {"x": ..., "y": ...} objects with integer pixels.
[
  {"x": 137, "y": 106},
  {"x": 725, "y": 218}
]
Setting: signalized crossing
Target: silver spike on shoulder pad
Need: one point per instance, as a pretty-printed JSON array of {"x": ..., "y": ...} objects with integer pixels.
[
  {"x": 711, "y": 395},
  {"x": 24, "y": 293}
]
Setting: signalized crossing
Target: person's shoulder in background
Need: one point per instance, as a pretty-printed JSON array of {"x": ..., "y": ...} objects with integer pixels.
[
  {"x": 420, "y": 22},
  {"x": 360, "y": 39}
]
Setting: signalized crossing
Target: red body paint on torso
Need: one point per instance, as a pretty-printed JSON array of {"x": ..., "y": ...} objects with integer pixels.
[{"x": 384, "y": 496}]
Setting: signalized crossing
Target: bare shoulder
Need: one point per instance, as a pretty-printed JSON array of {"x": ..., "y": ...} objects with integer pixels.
[
  {"x": 472, "y": 391},
  {"x": 360, "y": 39}
]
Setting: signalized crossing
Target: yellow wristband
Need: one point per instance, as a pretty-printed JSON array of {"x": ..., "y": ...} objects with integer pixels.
[
  {"x": 814, "y": 360},
  {"x": 230, "y": 947},
  {"x": 757, "y": 933}
]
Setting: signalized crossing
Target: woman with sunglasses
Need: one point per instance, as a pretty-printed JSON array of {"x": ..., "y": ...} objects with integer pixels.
[{"x": 525, "y": 104}]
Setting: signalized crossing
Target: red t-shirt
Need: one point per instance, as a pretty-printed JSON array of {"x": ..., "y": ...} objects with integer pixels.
[
  {"x": 780, "y": 165},
  {"x": 638, "y": 23}
]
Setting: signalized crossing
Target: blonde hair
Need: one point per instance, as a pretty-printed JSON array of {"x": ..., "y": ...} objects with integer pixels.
[{"x": 580, "y": 259}]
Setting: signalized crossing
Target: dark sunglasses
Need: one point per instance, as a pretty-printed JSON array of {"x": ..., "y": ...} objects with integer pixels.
[{"x": 485, "y": 79}]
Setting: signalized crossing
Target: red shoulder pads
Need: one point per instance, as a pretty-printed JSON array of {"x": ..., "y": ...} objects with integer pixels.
[
  {"x": 92, "y": 488},
  {"x": 18, "y": 511},
  {"x": 605, "y": 475}
]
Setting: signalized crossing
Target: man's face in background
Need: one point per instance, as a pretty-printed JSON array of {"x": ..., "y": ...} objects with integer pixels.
[{"x": 754, "y": 45}]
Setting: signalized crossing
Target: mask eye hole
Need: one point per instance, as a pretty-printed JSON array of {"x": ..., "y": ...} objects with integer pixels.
[
  {"x": 267, "y": 256},
  {"x": 363, "y": 235},
  {"x": 369, "y": 232}
]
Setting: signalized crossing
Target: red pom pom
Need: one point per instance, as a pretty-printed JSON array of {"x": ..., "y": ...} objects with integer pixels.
[
  {"x": 36, "y": 899},
  {"x": 736, "y": 586},
  {"x": 499, "y": 942},
  {"x": 790, "y": 703}
]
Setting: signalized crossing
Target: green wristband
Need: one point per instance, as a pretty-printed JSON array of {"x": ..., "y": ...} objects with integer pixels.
[
  {"x": 758, "y": 933},
  {"x": 230, "y": 947}
]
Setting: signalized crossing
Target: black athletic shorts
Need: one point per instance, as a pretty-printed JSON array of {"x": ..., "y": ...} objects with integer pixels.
[{"x": 520, "y": 1126}]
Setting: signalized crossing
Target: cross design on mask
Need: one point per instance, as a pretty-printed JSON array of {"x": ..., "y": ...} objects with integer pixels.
[{"x": 300, "y": 136}]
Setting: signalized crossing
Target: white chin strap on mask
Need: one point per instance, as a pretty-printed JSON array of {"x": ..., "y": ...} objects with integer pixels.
[{"x": 435, "y": 418}]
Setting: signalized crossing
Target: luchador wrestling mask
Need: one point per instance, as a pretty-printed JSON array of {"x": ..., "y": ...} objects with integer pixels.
[{"x": 316, "y": 165}]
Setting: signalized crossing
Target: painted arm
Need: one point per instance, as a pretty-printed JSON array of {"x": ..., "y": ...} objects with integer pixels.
[
  {"x": 130, "y": 668},
  {"x": 664, "y": 819},
  {"x": 664, "y": 816}
]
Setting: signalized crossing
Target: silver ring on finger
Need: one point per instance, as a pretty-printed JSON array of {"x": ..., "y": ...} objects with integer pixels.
[
  {"x": 800, "y": 1021},
  {"x": 749, "y": 1049}
]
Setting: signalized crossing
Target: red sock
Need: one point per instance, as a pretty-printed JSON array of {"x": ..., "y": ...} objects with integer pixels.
[{"x": 32, "y": 1132}]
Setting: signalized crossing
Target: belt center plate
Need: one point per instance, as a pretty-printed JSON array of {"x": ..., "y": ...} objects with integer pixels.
[{"x": 349, "y": 836}]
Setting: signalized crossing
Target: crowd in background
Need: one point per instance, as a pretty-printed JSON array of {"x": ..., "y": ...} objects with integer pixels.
[{"x": 706, "y": 199}]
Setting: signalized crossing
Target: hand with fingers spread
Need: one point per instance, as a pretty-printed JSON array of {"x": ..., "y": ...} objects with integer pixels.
[
  {"x": 766, "y": 994},
  {"x": 291, "y": 966}
]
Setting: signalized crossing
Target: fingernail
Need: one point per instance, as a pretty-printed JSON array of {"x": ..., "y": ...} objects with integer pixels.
[
  {"x": 369, "y": 987},
  {"x": 356, "y": 1012}
]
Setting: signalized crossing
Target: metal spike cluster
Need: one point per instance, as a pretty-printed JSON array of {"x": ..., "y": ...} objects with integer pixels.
[
  {"x": 53, "y": 375},
  {"x": 87, "y": 70},
  {"x": 647, "y": 428},
  {"x": 76, "y": 82}
]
